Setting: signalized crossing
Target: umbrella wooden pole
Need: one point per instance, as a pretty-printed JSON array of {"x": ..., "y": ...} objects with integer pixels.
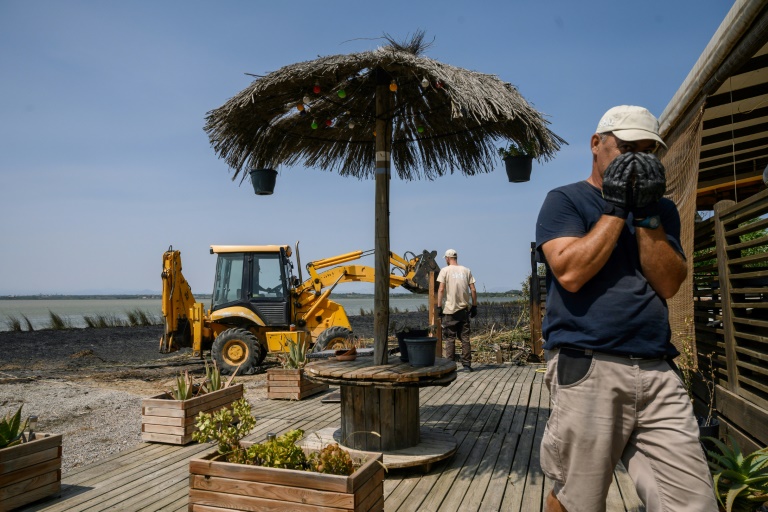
[{"x": 381, "y": 256}]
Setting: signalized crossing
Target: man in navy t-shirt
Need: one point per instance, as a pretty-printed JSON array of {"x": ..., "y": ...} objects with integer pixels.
[{"x": 612, "y": 249}]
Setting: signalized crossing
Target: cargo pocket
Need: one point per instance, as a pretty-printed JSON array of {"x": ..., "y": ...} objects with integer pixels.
[{"x": 573, "y": 366}]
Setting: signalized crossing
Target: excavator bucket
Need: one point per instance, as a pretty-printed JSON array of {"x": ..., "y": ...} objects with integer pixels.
[{"x": 420, "y": 281}]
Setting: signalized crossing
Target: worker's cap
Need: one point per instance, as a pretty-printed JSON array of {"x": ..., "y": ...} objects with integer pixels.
[
  {"x": 451, "y": 253},
  {"x": 630, "y": 123}
]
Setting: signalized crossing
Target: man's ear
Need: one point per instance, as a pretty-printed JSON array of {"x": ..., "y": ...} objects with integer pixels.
[{"x": 594, "y": 143}]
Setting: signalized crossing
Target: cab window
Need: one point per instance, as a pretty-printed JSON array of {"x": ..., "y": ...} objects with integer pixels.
[
  {"x": 229, "y": 279},
  {"x": 267, "y": 277}
]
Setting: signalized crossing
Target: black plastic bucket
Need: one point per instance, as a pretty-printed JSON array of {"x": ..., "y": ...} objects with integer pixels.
[
  {"x": 421, "y": 351},
  {"x": 263, "y": 181},
  {"x": 412, "y": 333}
]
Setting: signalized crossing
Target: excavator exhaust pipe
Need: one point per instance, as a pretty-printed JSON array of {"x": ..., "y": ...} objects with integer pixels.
[{"x": 425, "y": 265}]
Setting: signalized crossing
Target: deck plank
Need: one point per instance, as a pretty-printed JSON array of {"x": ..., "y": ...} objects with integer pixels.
[{"x": 497, "y": 415}]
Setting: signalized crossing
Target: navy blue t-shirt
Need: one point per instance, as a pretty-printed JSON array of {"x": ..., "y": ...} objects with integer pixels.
[{"x": 617, "y": 311}]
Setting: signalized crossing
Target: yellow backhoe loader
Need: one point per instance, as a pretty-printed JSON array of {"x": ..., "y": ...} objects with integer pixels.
[{"x": 258, "y": 305}]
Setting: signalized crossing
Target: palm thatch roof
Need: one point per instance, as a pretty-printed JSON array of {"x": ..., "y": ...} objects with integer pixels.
[{"x": 443, "y": 118}]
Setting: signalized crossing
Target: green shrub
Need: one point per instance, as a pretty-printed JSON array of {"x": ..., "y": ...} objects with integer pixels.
[
  {"x": 57, "y": 322},
  {"x": 13, "y": 323}
]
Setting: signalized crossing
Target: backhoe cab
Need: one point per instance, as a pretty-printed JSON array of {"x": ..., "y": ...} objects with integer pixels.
[{"x": 258, "y": 304}]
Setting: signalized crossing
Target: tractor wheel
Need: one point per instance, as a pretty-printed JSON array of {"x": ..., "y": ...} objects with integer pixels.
[
  {"x": 236, "y": 347},
  {"x": 333, "y": 338}
]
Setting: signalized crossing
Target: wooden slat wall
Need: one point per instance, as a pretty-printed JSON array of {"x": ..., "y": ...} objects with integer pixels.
[{"x": 731, "y": 313}]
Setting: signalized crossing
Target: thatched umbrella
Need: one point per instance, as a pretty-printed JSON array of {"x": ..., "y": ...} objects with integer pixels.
[{"x": 355, "y": 113}]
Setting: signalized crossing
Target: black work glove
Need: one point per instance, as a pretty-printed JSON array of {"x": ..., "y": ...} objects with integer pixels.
[
  {"x": 473, "y": 312},
  {"x": 439, "y": 310},
  {"x": 617, "y": 186},
  {"x": 650, "y": 185}
]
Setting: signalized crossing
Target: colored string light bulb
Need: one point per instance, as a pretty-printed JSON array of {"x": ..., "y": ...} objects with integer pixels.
[
  {"x": 351, "y": 124},
  {"x": 420, "y": 129},
  {"x": 300, "y": 107},
  {"x": 342, "y": 93},
  {"x": 393, "y": 86},
  {"x": 314, "y": 124},
  {"x": 328, "y": 122},
  {"x": 316, "y": 88},
  {"x": 307, "y": 100},
  {"x": 424, "y": 82}
]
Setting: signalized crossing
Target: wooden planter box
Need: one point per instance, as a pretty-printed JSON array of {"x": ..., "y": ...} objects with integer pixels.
[
  {"x": 173, "y": 421},
  {"x": 227, "y": 486},
  {"x": 30, "y": 471},
  {"x": 291, "y": 385}
]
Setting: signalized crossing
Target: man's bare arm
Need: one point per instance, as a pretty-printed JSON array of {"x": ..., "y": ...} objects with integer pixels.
[
  {"x": 663, "y": 267},
  {"x": 574, "y": 260}
]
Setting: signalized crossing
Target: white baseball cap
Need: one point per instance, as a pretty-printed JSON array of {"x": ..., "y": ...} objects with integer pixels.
[
  {"x": 451, "y": 253},
  {"x": 630, "y": 123}
]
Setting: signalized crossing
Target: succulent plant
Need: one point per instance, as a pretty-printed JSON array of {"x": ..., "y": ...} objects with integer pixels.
[
  {"x": 185, "y": 387},
  {"x": 334, "y": 461},
  {"x": 741, "y": 482},
  {"x": 12, "y": 429}
]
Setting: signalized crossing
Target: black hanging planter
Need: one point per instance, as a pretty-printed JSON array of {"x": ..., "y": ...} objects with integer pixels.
[
  {"x": 518, "y": 168},
  {"x": 263, "y": 181}
]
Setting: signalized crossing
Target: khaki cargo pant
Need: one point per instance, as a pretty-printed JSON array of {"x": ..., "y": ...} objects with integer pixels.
[{"x": 608, "y": 408}]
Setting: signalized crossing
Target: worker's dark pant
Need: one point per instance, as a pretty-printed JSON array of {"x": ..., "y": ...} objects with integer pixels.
[{"x": 456, "y": 325}]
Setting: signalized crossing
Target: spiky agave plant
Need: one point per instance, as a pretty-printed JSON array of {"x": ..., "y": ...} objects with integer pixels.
[
  {"x": 185, "y": 387},
  {"x": 741, "y": 482},
  {"x": 12, "y": 429},
  {"x": 213, "y": 380},
  {"x": 297, "y": 355}
]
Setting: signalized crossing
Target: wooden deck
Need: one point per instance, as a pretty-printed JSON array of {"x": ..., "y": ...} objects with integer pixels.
[{"x": 496, "y": 413}]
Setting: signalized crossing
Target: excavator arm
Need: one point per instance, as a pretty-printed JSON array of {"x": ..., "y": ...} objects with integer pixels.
[
  {"x": 414, "y": 272},
  {"x": 177, "y": 300},
  {"x": 315, "y": 310}
]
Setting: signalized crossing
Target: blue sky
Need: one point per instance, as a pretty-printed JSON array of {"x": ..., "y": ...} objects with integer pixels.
[{"x": 104, "y": 162}]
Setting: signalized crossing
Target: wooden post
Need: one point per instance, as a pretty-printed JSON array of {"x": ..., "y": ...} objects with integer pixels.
[
  {"x": 381, "y": 248},
  {"x": 433, "y": 319},
  {"x": 724, "y": 276},
  {"x": 535, "y": 303}
]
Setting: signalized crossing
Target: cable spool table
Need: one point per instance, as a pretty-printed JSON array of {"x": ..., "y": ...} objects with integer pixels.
[{"x": 385, "y": 399}]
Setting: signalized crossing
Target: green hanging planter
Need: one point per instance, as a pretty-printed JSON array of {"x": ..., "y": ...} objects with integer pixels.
[{"x": 263, "y": 181}]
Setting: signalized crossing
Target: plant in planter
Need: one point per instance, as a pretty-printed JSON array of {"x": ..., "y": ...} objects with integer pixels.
[
  {"x": 243, "y": 476},
  {"x": 170, "y": 416},
  {"x": 30, "y": 464},
  {"x": 690, "y": 372},
  {"x": 289, "y": 382},
  {"x": 518, "y": 159},
  {"x": 741, "y": 482}
]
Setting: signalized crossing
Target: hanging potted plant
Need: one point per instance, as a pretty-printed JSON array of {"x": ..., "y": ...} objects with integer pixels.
[
  {"x": 170, "y": 417},
  {"x": 263, "y": 181},
  {"x": 518, "y": 159},
  {"x": 288, "y": 382},
  {"x": 30, "y": 463},
  {"x": 277, "y": 474}
]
